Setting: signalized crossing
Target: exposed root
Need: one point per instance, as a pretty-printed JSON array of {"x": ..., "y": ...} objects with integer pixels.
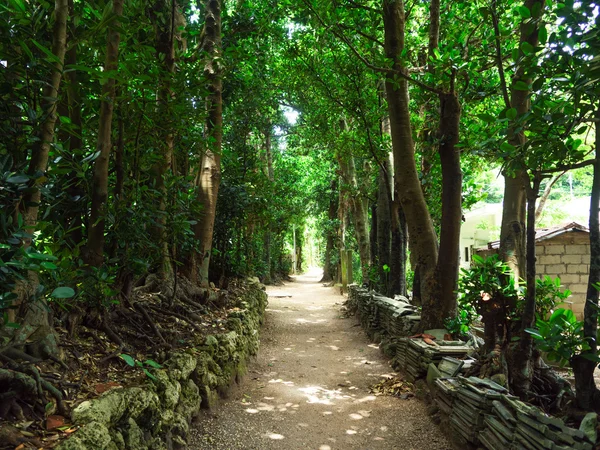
[
  {"x": 174, "y": 314},
  {"x": 150, "y": 322}
]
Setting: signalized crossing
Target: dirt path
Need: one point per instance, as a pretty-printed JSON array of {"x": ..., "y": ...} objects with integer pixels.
[{"x": 309, "y": 387}]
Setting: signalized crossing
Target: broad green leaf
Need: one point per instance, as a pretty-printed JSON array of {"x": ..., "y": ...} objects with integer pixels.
[
  {"x": 511, "y": 113},
  {"x": 505, "y": 146},
  {"x": 48, "y": 265},
  {"x": 62, "y": 292},
  {"x": 521, "y": 86},
  {"x": 128, "y": 359},
  {"x": 152, "y": 363},
  {"x": 527, "y": 48},
  {"x": 524, "y": 12},
  {"x": 543, "y": 34}
]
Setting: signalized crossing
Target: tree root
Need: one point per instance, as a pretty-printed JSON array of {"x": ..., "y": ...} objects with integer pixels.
[
  {"x": 150, "y": 322},
  {"x": 174, "y": 314}
]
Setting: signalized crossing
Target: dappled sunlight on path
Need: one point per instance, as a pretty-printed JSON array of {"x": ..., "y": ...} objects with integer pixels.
[{"x": 309, "y": 387}]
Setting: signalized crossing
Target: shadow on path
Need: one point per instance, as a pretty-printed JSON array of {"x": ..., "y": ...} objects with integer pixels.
[{"x": 309, "y": 386}]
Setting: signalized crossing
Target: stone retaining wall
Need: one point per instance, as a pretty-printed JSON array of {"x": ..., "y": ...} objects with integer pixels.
[
  {"x": 157, "y": 415},
  {"x": 478, "y": 413}
]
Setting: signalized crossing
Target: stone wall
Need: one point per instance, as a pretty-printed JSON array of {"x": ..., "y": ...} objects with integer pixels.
[
  {"x": 567, "y": 257},
  {"x": 157, "y": 414},
  {"x": 477, "y": 413}
]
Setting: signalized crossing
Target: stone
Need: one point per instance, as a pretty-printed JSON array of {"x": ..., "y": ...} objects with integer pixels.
[
  {"x": 168, "y": 390},
  {"x": 438, "y": 333},
  {"x": 499, "y": 378},
  {"x": 93, "y": 435},
  {"x": 134, "y": 437},
  {"x": 432, "y": 374},
  {"x": 181, "y": 365},
  {"x": 589, "y": 425},
  {"x": 106, "y": 409}
]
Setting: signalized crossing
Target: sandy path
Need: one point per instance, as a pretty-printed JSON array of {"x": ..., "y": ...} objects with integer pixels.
[{"x": 309, "y": 386}]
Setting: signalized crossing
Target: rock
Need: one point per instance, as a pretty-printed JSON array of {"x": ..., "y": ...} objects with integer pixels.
[
  {"x": 134, "y": 437},
  {"x": 589, "y": 425},
  {"x": 499, "y": 378},
  {"x": 168, "y": 390},
  {"x": 106, "y": 409},
  {"x": 439, "y": 333},
  {"x": 181, "y": 365},
  {"x": 432, "y": 374},
  {"x": 93, "y": 435}
]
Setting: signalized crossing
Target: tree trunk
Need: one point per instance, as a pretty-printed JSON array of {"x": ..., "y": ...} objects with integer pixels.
[
  {"x": 512, "y": 233},
  {"x": 588, "y": 395},
  {"x": 36, "y": 318},
  {"x": 209, "y": 176},
  {"x": 448, "y": 259},
  {"x": 328, "y": 267},
  {"x": 95, "y": 245},
  {"x": 397, "y": 275},
  {"x": 271, "y": 177},
  {"x": 520, "y": 372},
  {"x": 165, "y": 48},
  {"x": 406, "y": 178},
  {"x": 384, "y": 229}
]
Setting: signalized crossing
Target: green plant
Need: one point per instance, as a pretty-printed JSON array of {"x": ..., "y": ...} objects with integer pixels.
[
  {"x": 561, "y": 337},
  {"x": 142, "y": 365}
]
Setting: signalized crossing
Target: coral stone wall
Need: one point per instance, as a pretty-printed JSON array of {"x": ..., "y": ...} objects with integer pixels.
[{"x": 157, "y": 414}]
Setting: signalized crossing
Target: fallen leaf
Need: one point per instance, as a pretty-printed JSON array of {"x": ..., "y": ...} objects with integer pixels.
[
  {"x": 53, "y": 422},
  {"x": 20, "y": 447},
  {"x": 103, "y": 387},
  {"x": 428, "y": 336},
  {"x": 428, "y": 341}
]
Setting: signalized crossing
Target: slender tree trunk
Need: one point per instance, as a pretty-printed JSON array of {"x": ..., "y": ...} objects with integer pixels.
[
  {"x": 271, "y": 176},
  {"x": 588, "y": 395},
  {"x": 209, "y": 176},
  {"x": 165, "y": 46},
  {"x": 343, "y": 221},
  {"x": 95, "y": 250},
  {"x": 448, "y": 259},
  {"x": 520, "y": 372},
  {"x": 384, "y": 229},
  {"x": 397, "y": 275},
  {"x": 512, "y": 233},
  {"x": 407, "y": 182},
  {"x": 36, "y": 318},
  {"x": 544, "y": 197},
  {"x": 520, "y": 194},
  {"x": 328, "y": 266}
]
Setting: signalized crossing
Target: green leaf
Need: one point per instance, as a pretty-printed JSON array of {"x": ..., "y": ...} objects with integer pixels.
[
  {"x": 48, "y": 265},
  {"x": 128, "y": 359},
  {"x": 62, "y": 292},
  {"x": 543, "y": 34},
  {"x": 488, "y": 118},
  {"x": 152, "y": 363},
  {"x": 149, "y": 375},
  {"x": 506, "y": 147},
  {"x": 524, "y": 12},
  {"x": 41, "y": 256},
  {"x": 527, "y": 48},
  {"x": 51, "y": 56},
  {"x": 18, "y": 179},
  {"x": 511, "y": 113},
  {"x": 521, "y": 86}
]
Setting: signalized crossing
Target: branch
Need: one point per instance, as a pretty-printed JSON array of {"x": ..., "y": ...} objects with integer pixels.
[
  {"x": 545, "y": 195},
  {"x": 499, "y": 55},
  {"x": 371, "y": 66},
  {"x": 365, "y": 35},
  {"x": 564, "y": 168},
  {"x": 356, "y": 5}
]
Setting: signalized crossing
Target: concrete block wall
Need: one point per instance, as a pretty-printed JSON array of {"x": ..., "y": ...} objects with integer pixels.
[{"x": 567, "y": 257}]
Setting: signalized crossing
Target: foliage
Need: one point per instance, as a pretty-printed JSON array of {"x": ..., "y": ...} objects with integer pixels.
[
  {"x": 561, "y": 337},
  {"x": 490, "y": 279},
  {"x": 145, "y": 365}
]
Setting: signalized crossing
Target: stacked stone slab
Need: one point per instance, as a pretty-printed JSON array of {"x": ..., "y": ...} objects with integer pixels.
[
  {"x": 382, "y": 315},
  {"x": 414, "y": 355},
  {"x": 517, "y": 425},
  {"x": 472, "y": 403}
]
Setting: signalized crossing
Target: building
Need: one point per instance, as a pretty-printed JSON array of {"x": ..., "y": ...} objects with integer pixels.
[{"x": 563, "y": 252}]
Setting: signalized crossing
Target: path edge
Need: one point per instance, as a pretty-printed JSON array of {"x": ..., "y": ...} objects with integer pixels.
[{"x": 158, "y": 414}]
